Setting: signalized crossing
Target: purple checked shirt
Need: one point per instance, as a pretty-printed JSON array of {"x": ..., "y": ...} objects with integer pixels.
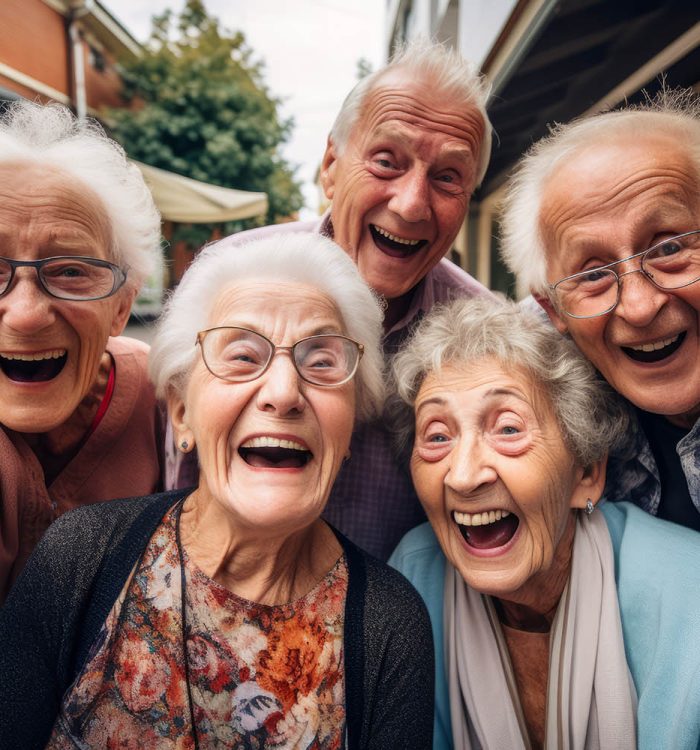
[{"x": 373, "y": 501}]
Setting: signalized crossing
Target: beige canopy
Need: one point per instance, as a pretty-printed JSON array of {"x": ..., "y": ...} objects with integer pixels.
[{"x": 188, "y": 201}]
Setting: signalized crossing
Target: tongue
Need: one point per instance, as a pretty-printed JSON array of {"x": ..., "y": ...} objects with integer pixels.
[
  {"x": 33, "y": 371},
  {"x": 275, "y": 458},
  {"x": 491, "y": 535}
]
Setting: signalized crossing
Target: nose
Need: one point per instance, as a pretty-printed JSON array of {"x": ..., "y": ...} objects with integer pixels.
[
  {"x": 280, "y": 391},
  {"x": 411, "y": 198},
  {"x": 26, "y": 308},
  {"x": 470, "y": 467},
  {"x": 640, "y": 300}
]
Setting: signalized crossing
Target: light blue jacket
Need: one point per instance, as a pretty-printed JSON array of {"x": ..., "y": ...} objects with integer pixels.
[{"x": 657, "y": 569}]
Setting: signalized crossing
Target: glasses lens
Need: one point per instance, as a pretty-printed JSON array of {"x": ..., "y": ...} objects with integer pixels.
[
  {"x": 70, "y": 278},
  {"x": 5, "y": 275},
  {"x": 588, "y": 294},
  {"x": 235, "y": 354},
  {"x": 675, "y": 262},
  {"x": 326, "y": 360}
]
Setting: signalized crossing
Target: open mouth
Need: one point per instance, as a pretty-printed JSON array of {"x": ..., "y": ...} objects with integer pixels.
[
  {"x": 274, "y": 453},
  {"x": 33, "y": 368},
  {"x": 391, "y": 244},
  {"x": 486, "y": 530},
  {"x": 656, "y": 351}
]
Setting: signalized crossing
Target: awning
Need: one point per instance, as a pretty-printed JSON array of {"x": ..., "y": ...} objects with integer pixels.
[{"x": 188, "y": 201}]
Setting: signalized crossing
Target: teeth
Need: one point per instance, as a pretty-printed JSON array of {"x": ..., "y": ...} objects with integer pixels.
[
  {"x": 273, "y": 442},
  {"x": 394, "y": 238},
  {"x": 55, "y": 354},
  {"x": 480, "y": 519},
  {"x": 655, "y": 346}
]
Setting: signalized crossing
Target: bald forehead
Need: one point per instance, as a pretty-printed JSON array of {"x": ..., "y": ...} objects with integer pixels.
[{"x": 415, "y": 102}]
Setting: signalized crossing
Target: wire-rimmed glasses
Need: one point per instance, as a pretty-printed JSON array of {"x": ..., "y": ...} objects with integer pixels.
[
  {"x": 673, "y": 263},
  {"x": 68, "y": 277},
  {"x": 238, "y": 355}
]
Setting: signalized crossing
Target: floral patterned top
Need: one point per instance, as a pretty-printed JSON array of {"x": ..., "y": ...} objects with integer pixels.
[{"x": 260, "y": 676}]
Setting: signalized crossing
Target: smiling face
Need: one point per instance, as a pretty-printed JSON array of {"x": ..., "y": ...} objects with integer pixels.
[
  {"x": 270, "y": 448},
  {"x": 604, "y": 204},
  {"x": 401, "y": 185},
  {"x": 50, "y": 349},
  {"x": 491, "y": 469}
]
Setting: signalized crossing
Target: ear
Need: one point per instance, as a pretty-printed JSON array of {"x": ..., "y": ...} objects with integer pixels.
[
  {"x": 178, "y": 418},
  {"x": 125, "y": 299},
  {"x": 328, "y": 167},
  {"x": 590, "y": 485},
  {"x": 557, "y": 320}
]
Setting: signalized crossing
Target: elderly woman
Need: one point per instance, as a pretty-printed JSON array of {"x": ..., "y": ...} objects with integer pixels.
[
  {"x": 79, "y": 234},
  {"x": 556, "y": 625},
  {"x": 231, "y": 615}
]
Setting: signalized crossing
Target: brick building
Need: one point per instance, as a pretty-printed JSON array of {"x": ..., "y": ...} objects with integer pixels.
[{"x": 64, "y": 51}]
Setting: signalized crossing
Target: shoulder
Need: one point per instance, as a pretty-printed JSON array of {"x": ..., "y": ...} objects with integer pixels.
[
  {"x": 87, "y": 531},
  {"x": 657, "y": 566},
  {"x": 652, "y": 542},
  {"x": 420, "y": 558},
  {"x": 119, "y": 346},
  {"x": 260, "y": 233},
  {"x": 449, "y": 281}
]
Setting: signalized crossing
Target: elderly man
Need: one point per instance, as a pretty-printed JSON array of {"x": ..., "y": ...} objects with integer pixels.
[
  {"x": 405, "y": 153},
  {"x": 602, "y": 225}
]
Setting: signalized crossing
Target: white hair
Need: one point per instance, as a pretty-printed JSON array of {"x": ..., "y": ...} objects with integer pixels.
[
  {"x": 456, "y": 79},
  {"x": 51, "y": 136},
  {"x": 299, "y": 257},
  {"x": 590, "y": 415},
  {"x": 674, "y": 113}
]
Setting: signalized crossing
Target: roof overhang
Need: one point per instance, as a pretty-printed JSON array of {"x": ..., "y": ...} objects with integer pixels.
[
  {"x": 558, "y": 59},
  {"x": 184, "y": 200}
]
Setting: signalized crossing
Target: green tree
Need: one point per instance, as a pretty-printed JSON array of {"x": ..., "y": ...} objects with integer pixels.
[{"x": 202, "y": 109}]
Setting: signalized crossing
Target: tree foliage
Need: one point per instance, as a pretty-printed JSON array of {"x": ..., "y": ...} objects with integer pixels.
[{"x": 202, "y": 109}]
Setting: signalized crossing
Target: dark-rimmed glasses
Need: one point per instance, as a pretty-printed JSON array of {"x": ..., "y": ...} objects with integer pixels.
[
  {"x": 671, "y": 264},
  {"x": 68, "y": 277},
  {"x": 238, "y": 354}
]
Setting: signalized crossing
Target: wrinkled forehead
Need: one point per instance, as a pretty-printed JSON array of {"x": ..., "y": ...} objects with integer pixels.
[
  {"x": 619, "y": 177},
  {"x": 257, "y": 300},
  {"x": 50, "y": 198},
  {"x": 416, "y": 101}
]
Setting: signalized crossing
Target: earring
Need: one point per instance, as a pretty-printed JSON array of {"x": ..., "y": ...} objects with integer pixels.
[
  {"x": 184, "y": 445},
  {"x": 589, "y": 507}
]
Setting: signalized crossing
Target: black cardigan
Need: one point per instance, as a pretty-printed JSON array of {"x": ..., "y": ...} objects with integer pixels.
[{"x": 74, "y": 576}]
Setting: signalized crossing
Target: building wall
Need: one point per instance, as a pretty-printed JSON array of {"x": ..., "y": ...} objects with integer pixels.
[
  {"x": 33, "y": 41},
  {"x": 36, "y": 57}
]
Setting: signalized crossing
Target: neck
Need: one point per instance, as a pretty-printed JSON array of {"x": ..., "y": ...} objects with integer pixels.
[
  {"x": 56, "y": 447},
  {"x": 534, "y": 605},
  {"x": 396, "y": 309},
  {"x": 254, "y": 565},
  {"x": 687, "y": 420}
]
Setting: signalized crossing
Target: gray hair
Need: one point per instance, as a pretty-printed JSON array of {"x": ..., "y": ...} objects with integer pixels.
[
  {"x": 591, "y": 417},
  {"x": 51, "y": 136},
  {"x": 448, "y": 72},
  {"x": 675, "y": 112},
  {"x": 298, "y": 257}
]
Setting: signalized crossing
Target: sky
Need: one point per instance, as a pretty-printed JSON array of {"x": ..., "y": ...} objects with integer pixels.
[{"x": 310, "y": 49}]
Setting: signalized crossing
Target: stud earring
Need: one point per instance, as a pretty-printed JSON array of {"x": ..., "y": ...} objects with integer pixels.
[
  {"x": 184, "y": 445},
  {"x": 589, "y": 507}
]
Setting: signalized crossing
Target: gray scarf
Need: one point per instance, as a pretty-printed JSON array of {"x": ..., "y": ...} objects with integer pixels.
[{"x": 591, "y": 699}]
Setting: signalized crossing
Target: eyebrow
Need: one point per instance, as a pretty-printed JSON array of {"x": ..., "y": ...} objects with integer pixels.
[
  {"x": 490, "y": 394},
  {"x": 396, "y": 135}
]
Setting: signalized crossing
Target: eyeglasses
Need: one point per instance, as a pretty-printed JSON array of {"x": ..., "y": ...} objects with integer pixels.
[
  {"x": 238, "y": 355},
  {"x": 671, "y": 264},
  {"x": 68, "y": 277}
]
